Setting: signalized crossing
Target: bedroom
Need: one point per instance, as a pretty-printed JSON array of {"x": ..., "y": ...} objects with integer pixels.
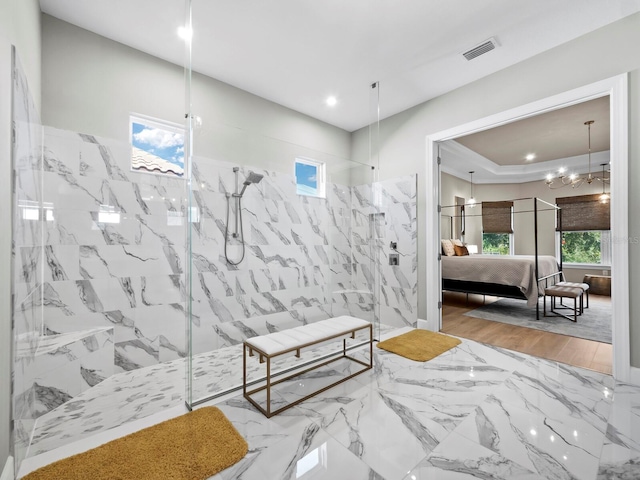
[{"x": 503, "y": 171}]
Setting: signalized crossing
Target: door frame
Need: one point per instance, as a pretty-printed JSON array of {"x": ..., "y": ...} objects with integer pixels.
[{"x": 616, "y": 88}]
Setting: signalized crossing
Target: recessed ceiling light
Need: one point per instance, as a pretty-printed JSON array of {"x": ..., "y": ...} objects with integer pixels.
[
  {"x": 530, "y": 157},
  {"x": 185, "y": 33},
  {"x": 331, "y": 101}
]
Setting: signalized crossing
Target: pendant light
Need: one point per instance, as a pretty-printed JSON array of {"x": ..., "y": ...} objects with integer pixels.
[
  {"x": 472, "y": 201},
  {"x": 605, "y": 197}
]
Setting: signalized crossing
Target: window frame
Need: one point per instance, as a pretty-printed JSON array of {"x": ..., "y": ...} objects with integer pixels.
[
  {"x": 321, "y": 187},
  {"x": 157, "y": 123},
  {"x": 606, "y": 252},
  {"x": 509, "y": 236}
]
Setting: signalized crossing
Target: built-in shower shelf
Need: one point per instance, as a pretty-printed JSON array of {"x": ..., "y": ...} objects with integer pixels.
[
  {"x": 64, "y": 365},
  {"x": 358, "y": 292}
]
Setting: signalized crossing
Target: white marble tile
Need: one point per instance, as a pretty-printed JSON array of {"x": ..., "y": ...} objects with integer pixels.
[
  {"x": 557, "y": 400},
  {"x": 457, "y": 458},
  {"x": 429, "y": 420},
  {"x": 358, "y": 426},
  {"x": 549, "y": 447},
  {"x": 621, "y": 451}
]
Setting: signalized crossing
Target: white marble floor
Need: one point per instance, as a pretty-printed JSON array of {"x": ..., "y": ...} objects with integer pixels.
[{"x": 475, "y": 411}]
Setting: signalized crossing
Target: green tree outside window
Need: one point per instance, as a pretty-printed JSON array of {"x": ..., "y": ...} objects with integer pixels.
[
  {"x": 581, "y": 247},
  {"x": 495, "y": 243}
]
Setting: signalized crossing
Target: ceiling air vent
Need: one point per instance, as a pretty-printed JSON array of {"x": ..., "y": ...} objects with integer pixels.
[{"x": 481, "y": 49}]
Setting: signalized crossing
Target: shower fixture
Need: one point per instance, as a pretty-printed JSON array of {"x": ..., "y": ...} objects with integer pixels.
[
  {"x": 251, "y": 178},
  {"x": 238, "y": 231}
]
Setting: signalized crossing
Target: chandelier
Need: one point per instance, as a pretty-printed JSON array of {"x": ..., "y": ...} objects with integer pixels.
[{"x": 574, "y": 180}]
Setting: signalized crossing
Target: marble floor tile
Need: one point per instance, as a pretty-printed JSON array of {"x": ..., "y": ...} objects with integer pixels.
[
  {"x": 475, "y": 411},
  {"x": 620, "y": 457},
  {"x": 551, "y": 448},
  {"x": 557, "y": 400},
  {"x": 458, "y": 458}
]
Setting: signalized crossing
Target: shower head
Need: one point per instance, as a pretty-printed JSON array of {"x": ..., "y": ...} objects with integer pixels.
[{"x": 251, "y": 178}]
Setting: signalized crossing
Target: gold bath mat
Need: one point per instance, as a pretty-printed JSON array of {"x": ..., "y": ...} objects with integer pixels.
[
  {"x": 419, "y": 345},
  {"x": 194, "y": 446}
]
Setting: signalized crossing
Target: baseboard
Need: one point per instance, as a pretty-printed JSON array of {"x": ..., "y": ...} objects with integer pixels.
[
  {"x": 7, "y": 472},
  {"x": 634, "y": 375}
]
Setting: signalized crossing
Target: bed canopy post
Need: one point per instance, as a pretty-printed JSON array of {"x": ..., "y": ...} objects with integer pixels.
[
  {"x": 560, "y": 230},
  {"x": 535, "y": 235}
]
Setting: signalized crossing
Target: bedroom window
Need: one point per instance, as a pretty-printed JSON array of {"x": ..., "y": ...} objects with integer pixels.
[
  {"x": 587, "y": 247},
  {"x": 496, "y": 243},
  {"x": 497, "y": 227},
  {"x": 310, "y": 177},
  {"x": 586, "y": 230}
]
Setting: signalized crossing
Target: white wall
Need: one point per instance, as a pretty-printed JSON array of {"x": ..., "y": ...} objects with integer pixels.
[
  {"x": 94, "y": 83},
  {"x": 599, "y": 55},
  {"x": 20, "y": 26}
]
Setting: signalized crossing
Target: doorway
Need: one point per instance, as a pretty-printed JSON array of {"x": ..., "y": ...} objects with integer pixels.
[{"x": 616, "y": 87}]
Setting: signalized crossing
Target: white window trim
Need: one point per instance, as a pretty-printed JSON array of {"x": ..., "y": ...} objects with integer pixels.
[
  {"x": 156, "y": 123},
  {"x": 321, "y": 175}
]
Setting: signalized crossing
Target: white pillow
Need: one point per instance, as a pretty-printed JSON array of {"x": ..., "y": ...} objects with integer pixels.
[
  {"x": 447, "y": 247},
  {"x": 457, "y": 242}
]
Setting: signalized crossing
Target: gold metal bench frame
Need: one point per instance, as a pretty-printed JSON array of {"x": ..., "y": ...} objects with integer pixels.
[{"x": 270, "y": 383}]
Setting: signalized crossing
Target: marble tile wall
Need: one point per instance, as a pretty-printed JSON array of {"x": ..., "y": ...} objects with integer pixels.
[
  {"x": 306, "y": 258},
  {"x": 27, "y": 243},
  {"x": 66, "y": 365},
  {"x": 297, "y": 256},
  {"x": 114, "y": 249},
  {"x": 398, "y": 283},
  {"x": 108, "y": 251}
]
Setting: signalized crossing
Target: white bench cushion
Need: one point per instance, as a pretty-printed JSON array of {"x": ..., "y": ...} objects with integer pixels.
[
  {"x": 278, "y": 342},
  {"x": 583, "y": 286},
  {"x": 560, "y": 291}
]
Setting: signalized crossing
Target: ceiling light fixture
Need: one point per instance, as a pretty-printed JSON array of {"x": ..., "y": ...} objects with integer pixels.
[
  {"x": 605, "y": 197},
  {"x": 472, "y": 201},
  {"x": 185, "y": 33},
  {"x": 574, "y": 180},
  {"x": 530, "y": 157},
  {"x": 332, "y": 101}
]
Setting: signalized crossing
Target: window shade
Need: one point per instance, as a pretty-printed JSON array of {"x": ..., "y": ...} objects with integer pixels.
[
  {"x": 496, "y": 217},
  {"x": 584, "y": 212}
]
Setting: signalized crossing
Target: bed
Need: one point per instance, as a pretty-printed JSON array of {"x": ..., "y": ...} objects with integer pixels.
[{"x": 512, "y": 276}]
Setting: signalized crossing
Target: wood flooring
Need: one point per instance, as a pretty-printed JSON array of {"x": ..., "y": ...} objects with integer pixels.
[{"x": 574, "y": 351}]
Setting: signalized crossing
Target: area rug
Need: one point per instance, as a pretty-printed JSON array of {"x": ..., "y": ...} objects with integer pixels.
[
  {"x": 194, "y": 446},
  {"x": 594, "y": 324},
  {"x": 419, "y": 345}
]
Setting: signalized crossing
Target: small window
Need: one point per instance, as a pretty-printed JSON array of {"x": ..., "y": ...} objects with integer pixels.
[
  {"x": 591, "y": 247},
  {"x": 157, "y": 146},
  {"x": 310, "y": 178},
  {"x": 496, "y": 243}
]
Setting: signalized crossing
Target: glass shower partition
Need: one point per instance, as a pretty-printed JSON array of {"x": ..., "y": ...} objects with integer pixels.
[{"x": 272, "y": 246}]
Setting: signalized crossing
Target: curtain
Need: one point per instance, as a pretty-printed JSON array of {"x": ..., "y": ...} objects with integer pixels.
[
  {"x": 584, "y": 212},
  {"x": 496, "y": 217}
]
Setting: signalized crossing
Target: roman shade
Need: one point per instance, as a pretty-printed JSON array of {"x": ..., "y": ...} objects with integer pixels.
[
  {"x": 583, "y": 212},
  {"x": 496, "y": 217}
]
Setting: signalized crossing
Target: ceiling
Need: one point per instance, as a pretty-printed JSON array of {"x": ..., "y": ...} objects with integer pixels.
[
  {"x": 557, "y": 138},
  {"x": 297, "y": 52}
]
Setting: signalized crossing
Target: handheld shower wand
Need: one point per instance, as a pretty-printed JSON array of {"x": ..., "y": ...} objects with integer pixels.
[
  {"x": 251, "y": 178},
  {"x": 239, "y": 233}
]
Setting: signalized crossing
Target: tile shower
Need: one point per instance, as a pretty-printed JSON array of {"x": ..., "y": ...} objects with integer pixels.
[{"x": 101, "y": 262}]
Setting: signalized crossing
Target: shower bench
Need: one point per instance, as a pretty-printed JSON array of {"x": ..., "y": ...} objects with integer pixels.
[{"x": 292, "y": 341}]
